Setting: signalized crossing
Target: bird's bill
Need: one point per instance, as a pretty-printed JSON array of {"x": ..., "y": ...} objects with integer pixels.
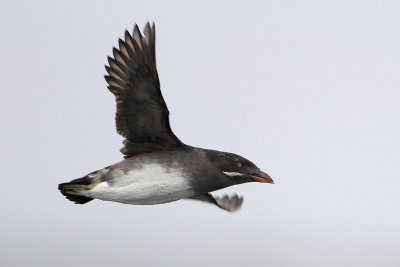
[{"x": 261, "y": 177}]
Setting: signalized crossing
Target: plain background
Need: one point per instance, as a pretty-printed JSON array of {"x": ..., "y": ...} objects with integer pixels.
[{"x": 308, "y": 90}]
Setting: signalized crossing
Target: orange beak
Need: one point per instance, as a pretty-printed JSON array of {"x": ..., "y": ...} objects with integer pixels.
[{"x": 261, "y": 177}]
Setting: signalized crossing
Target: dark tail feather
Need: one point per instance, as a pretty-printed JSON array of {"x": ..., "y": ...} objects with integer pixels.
[{"x": 71, "y": 190}]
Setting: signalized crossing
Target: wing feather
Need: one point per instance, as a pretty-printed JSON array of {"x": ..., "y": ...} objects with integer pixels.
[{"x": 142, "y": 116}]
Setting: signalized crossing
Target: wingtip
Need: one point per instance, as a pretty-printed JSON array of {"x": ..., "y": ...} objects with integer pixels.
[
  {"x": 136, "y": 30},
  {"x": 115, "y": 51},
  {"x": 127, "y": 36}
]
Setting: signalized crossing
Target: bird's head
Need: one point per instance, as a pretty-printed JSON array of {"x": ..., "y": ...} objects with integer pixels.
[{"x": 240, "y": 170}]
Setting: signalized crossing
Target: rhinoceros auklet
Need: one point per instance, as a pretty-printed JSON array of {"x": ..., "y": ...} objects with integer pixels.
[{"x": 158, "y": 167}]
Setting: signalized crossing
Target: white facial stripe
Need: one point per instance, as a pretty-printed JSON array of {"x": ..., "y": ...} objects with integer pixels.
[{"x": 233, "y": 173}]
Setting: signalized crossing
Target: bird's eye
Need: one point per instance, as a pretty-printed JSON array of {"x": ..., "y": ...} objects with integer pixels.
[{"x": 239, "y": 164}]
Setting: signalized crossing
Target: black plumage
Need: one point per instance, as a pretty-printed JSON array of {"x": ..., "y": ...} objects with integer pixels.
[
  {"x": 142, "y": 115},
  {"x": 158, "y": 167}
]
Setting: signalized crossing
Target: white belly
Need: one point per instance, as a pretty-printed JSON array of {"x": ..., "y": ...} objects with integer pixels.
[{"x": 151, "y": 184}]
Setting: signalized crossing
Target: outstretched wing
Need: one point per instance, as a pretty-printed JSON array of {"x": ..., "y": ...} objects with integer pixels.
[{"x": 142, "y": 115}]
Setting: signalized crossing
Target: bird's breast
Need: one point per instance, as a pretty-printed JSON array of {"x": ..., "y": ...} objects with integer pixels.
[{"x": 144, "y": 185}]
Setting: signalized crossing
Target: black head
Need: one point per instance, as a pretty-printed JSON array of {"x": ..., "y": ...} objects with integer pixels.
[{"x": 237, "y": 168}]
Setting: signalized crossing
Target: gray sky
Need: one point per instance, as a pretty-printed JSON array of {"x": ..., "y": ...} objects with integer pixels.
[{"x": 308, "y": 90}]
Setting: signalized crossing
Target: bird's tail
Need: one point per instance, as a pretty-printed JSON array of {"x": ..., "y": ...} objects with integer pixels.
[{"x": 72, "y": 190}]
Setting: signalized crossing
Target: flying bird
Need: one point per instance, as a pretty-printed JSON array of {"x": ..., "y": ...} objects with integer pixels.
[{"x": 157, "y": 167}]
